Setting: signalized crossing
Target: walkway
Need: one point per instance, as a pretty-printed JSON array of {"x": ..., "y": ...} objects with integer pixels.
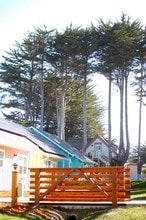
[{"x": 90, "y": 204}]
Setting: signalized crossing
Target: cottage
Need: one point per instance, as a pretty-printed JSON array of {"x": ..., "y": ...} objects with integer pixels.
[
  {"x": 34, "y": 149},
  {"x": 31, "y": 152},
  {"x": 98, "y": 150},
  {"x": 74, "y": 158}
]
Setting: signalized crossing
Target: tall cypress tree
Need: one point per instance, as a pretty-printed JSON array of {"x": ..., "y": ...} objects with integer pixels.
[{"x": 118, "y": 52}]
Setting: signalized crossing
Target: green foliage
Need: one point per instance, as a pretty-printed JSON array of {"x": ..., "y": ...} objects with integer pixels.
[
  {"x": 49, "y": 66},
  {"x": 134, "y": 154},
  {"x": 117, "y": 54},
  {"x": 74, "y": 112},
  {"x": 39, "y": 70}
]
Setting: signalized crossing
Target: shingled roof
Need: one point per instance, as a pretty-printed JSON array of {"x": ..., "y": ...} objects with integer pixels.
[
  {"x": 62, "y": 145},
  {"x": 45, "y": 141},
  {"x": 14, "y": 128}
]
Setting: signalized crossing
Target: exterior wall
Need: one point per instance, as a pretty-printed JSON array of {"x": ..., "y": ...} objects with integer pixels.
[
  {"x": 97, "y": 149},
  {"x": 75, "y": 162},
  {"x": 133, "y": 171},
  {"x": 27, "y": 153},
  {"x": 6, "y": 170},
  {"x": 63, "y": 163},
  {"x": 33, "y": 157},
  {"x": 36, "y": 159}
]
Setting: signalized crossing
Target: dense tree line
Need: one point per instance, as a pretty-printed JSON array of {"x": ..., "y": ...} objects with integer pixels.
[
  {"x": 44, "y": 84},
  {"x": 46, "y": 78}
]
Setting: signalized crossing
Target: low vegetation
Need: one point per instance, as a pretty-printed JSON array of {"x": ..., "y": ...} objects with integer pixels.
[
  {"x": 138, "y": 191},
  {"x": 123, "y": 214}
]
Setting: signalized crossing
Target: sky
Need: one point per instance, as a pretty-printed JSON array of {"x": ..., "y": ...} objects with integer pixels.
[{"x": 18, "y": 17}]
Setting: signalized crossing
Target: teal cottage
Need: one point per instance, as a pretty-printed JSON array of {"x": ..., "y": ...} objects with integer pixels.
[{"x": 73, "y": 157}]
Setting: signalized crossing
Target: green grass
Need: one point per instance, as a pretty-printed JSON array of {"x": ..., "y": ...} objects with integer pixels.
[
  {"x": 138, "y": 190},
  {"x": 123, "y": 214},
  {"x": 12, "y": 217}
]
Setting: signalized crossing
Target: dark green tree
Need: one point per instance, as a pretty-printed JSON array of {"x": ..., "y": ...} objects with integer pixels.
[
  {"x": 118, "y": 52},
  {"x": 74, "y": 113},
  {"x": 105, "y": 67},
  {"x": 139, "y": 85},
  {"x": 84, "y": 64},
  {"x": 22, "y": 73},
  {"x": 63, "y": 51}
]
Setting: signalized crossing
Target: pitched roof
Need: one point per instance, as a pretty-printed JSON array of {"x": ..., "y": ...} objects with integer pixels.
[
  {"x": 62, "y": 145},
  {"x": 105, "y": 141},
  {"x": 14, "y": 128},
  {"x": 45, "y": 141}
]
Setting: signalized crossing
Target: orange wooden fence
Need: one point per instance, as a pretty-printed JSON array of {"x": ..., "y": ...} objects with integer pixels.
[{"x": 96, "y": 184}]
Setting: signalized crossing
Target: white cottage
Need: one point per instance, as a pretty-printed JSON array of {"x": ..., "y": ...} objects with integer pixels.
[{"x": 98, "y": 150}]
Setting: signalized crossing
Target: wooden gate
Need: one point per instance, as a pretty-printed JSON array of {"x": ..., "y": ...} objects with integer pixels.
[{"x": 96, "y": 184}]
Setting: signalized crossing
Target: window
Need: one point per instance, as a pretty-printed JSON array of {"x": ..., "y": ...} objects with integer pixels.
[
  {"x": 23, "y": 164},
  {"x": 2, "y": 156},
  {"x": 98, "y": 146},
  {"x": 47, "y": 163},
  {"x": 89, "y": 155}
]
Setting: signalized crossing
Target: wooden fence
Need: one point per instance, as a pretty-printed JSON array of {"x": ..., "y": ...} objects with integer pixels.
[{"x": 96, "y": 184}]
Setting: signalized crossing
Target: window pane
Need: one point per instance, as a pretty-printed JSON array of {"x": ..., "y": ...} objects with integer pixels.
[
  {"x": 1, "y": 163},
  {"x": 1, "y": 154},
  {"x": 25, "y": 161},
  {"x": 20, "y": 169},
  {"x": 23, "y": 166}
]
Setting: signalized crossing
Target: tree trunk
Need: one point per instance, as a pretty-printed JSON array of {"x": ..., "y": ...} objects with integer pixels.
[
  {"x": 121, "y": 144},
  {"x": 42, "y": 93},
  {"x": 126, "y": 121},
  {"x": 62, "y": 115},
  {"x": 85, "y": 114},
  {"x": 109, "y": 120},
  {"x": 139, "y": 127},
  {"x": 61, "y": 108}
]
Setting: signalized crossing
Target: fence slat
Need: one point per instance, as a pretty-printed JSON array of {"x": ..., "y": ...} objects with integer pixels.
[{"x": 80, "y": 184}]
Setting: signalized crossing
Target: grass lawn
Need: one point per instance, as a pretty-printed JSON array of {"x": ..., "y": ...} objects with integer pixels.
[
  {"x": 123, "y": 214},
  {"x": 14, "y": 217},
  {"x": 138, "y": 191}
]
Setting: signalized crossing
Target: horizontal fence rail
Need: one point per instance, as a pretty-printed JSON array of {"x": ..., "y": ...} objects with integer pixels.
[{"x": 96, "y": 184}]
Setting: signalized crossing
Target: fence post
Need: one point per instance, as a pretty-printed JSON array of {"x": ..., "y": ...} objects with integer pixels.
[
  {"x": 114, "y": 187},
  {"x": 37, "y": 187},
  {"x": 14, "y": 188}
]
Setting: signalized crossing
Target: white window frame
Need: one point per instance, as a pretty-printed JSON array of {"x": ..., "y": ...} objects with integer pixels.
[
  {"x": 98, "y": 146},
  {"x": 49, "y": 164},
  {"x": 97, "y": 149},
  {"x": 22, "y": 164}
]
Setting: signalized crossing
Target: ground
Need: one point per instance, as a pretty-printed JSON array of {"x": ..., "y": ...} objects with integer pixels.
[{"x": 28, "y": 211}]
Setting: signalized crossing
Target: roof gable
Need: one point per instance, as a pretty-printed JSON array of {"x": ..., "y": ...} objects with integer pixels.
[{"x": 103, "y": 140}]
